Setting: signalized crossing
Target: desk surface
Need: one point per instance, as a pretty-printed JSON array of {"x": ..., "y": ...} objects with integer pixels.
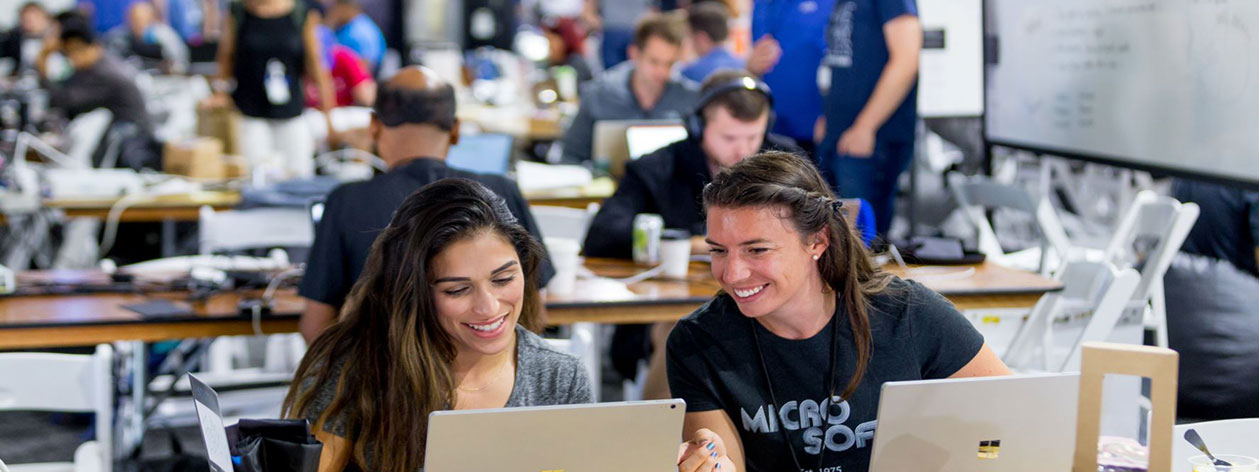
[
  {"x": 69, "y": 320},
  {"x": 181, "y": 207},
  {"x": 186, "y": 207}
]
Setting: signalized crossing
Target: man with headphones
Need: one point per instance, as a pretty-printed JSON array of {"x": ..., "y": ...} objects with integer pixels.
[{"x": 730, "y": 123}]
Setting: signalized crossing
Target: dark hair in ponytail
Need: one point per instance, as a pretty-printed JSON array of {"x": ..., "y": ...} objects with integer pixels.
[{"x": 783, "y": 180}]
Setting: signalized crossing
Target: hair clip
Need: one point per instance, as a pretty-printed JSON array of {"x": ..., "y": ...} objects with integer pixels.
[{"x": 837, "y": 207}]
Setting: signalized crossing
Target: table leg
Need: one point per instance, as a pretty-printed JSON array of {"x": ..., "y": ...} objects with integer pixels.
[
  {"x": 168, "y": 237},
  {"x": 139, "y": 386}
]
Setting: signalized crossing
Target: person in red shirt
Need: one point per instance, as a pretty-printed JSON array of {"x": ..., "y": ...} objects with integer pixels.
[{"x": 352, "y": 83}]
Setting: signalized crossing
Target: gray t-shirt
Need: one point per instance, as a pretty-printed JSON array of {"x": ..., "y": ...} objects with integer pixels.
[{"x": 544, "y": 376}]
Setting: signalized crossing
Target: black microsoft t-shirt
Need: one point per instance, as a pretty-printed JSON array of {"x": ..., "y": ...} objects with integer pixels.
[{"x": 713, "y": 364}]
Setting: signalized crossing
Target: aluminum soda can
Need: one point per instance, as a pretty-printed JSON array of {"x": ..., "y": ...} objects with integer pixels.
[{"x": 647, "y": 230}]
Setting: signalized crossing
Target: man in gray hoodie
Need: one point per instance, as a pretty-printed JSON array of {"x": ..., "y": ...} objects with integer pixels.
[{"x": 642, "y": 88}]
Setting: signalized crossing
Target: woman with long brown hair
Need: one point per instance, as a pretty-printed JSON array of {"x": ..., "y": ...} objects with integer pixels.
[
  {"x": 781, "y": 371},
  {"x": 436, "y": 321}
]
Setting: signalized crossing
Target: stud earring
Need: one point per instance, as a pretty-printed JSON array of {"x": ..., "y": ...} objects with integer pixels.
[{"x": 816, "y": 256}]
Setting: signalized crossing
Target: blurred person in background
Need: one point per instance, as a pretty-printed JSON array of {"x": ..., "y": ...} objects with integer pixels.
[
  {"x": 357, "y": 31},
  {"x": 789, "y": 42},
  {"x": 643, "y": 88},
  {"x": 872, "y": 107},
  {"x": 352, "y": 83},
  {"x": 22, "y": 44},
  {"x": 98, "y": 79},
  {"x": 267, "y": 48},
  {"x": 567, "y": 41},
  {"x": 155, "y": 44},
  {"x": 616, "y": 20},
  {"x": 710, "y": 29}
]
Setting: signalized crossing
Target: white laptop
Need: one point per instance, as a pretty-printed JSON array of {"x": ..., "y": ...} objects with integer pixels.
[
  {"x": 610, "y": 148},
  {"x": 1024, "y": 423},
  {"x": 603, "y": 437},
  {"x": 646, "y": 139}
]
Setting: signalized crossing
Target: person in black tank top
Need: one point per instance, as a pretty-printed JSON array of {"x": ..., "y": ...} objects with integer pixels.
[{"x": 268, "y": 47}]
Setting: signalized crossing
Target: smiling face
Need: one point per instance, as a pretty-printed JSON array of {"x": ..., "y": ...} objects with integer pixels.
[
  {"x": 478, "y": 290},
  {"x": 763, "y": 262}
]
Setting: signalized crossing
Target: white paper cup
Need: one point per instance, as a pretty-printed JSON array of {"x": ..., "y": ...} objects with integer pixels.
[
  {"x": 564, "y": 258},
  {"x": 675, "y": 256}
]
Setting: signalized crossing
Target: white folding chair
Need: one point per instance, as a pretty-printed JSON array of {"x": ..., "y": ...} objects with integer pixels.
[
  {"x": 1095, "y": 289},
  {"x": 239, "y": 230},
  {"x": 1148, "y": 238},
  {"x": 1235, "y": 436},
  {"x": 975, "y": 195},
  {"x": 258, "y": 228},
  {"x": 564, "y": 222},
  {"x": 63, "y": 383},
  {"x": 583, "y": 342}
]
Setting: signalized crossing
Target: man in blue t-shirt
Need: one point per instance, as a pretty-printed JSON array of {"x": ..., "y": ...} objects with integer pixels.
[
  {"x": 871, "y": 108},
  {"x": 710, "y": 27},
  {"x": 357, "y": 31},
  {"x": 790, "y": 40}
]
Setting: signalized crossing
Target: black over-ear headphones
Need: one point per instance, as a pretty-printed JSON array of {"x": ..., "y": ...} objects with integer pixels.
[{"x": 695, "y": 122}]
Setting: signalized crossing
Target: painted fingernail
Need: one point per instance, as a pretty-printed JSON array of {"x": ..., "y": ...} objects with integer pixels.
[
  {"x": 713, "y": 455},
  {"x": 710, "y": 446},
  {"x": 718, "y": 466}
]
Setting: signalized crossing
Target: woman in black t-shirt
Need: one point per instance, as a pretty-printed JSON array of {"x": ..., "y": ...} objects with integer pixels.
[
  {"x": 781, "y": 371},
  {"x": 268, "y": 48}
]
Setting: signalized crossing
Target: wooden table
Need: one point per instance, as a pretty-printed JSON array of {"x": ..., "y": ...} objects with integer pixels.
[
  {"x": 988, "y": 286},
  {"x": 74, "y": 320},
  {"x": 182, "y": 207}
]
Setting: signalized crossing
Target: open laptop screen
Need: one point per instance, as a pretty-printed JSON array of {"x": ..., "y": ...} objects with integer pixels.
[
  {"x": 646, "y": 139},
  {"x": 481, "y": 153}
]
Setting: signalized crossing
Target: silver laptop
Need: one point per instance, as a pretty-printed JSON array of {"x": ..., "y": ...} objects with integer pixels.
[
  {"x": 610, "y": 147},
  {"x": 603, "y": 437},
  {"x": 1024, "y": 423}
]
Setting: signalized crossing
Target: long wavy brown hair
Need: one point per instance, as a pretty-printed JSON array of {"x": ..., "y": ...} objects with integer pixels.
[
  {"x": 783, "y": 180},
  {"x": 396, "y": 356}
]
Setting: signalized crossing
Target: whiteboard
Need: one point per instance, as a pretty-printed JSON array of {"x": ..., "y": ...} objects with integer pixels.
[
  {"x": 951, "y": 79},
  {"x": 1159, "y": 84}
]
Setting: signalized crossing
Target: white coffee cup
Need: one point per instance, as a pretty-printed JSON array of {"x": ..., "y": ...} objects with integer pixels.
[
  {"x": 565, "y": 260},
  {"x": 675, "y": 253}
]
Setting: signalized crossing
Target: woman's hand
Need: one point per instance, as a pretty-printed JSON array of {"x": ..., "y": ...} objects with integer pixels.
[
  {"x": 704, "y": 453},
  {"x": 216, "y": 101}
]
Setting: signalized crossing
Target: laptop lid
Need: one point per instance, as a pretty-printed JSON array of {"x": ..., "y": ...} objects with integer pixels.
[
  {"x": 488, "y": 153},
  {"x": 604, "y": 437},
  {"x": 988, "y": 424},
  {"x": 610, "y": 149},
  {"x": 206, "y": 402},
  {"x": 646, "y": 139}
]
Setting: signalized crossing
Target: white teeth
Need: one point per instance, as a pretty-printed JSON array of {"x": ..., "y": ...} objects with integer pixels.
[
  {"x": 489, "y": 327},
  {"x": 749, "y": 292}
]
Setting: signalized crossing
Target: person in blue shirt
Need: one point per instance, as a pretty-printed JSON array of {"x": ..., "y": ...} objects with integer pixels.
[
  {"x": 357, "y": 31},
  {"x": 871, "y": 108},
  {"x": 790, "y": 40},
  {"x": 710, "y": 27}
]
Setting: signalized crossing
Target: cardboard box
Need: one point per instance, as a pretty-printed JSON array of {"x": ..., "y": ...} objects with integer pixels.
[
  {"x": 220, "y": 123},
  {"x": 199, "y": 158},
  {"x": 235, "y": 167}
]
